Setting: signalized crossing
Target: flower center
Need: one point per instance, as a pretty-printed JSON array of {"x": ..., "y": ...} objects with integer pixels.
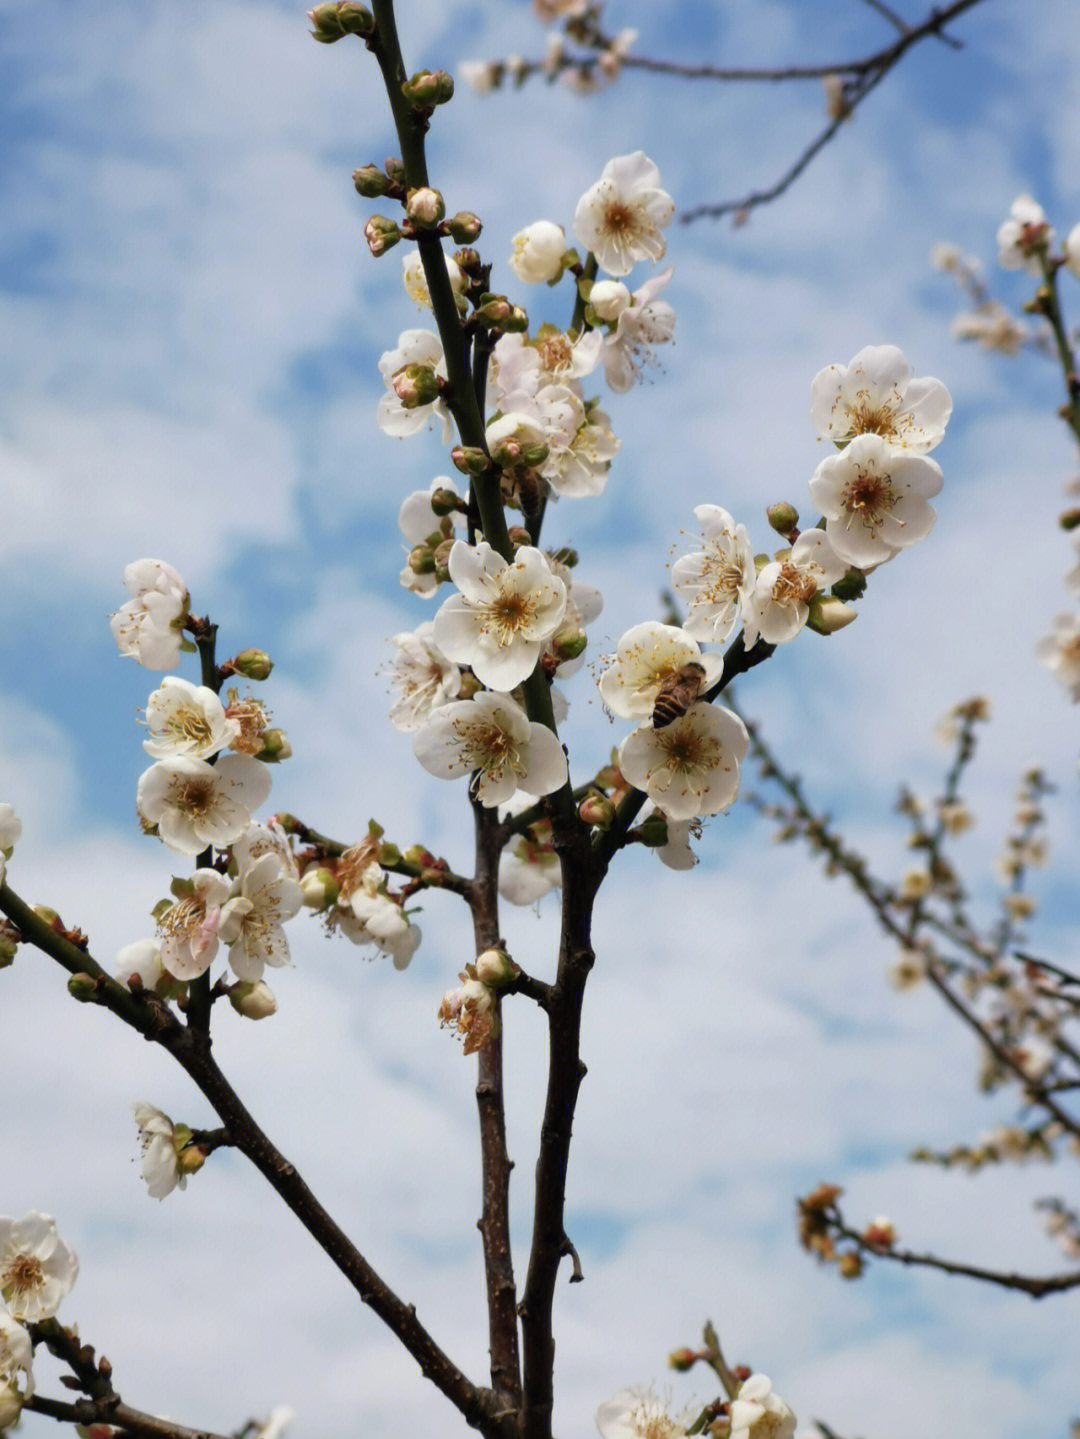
[
  {"x": 618, "y": 218},
  {"x": 194, "y": 795},
  {"x": 22, "y": 1273},
  {"x": 190, "y": 724},
  {"x": 866, "y": 420},
  {"x": 868, "y": 496},
  {"x": 182, "y": 917},
  {"x": 508, "y": 614},
  {"x": 793, "y": 586},
  {"x": 555, "y": 352}
]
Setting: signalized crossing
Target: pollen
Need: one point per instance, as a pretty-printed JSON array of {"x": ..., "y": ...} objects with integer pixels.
[
  {"x": 868, "y": 496},
  {"x": 23, "y": 1273}
]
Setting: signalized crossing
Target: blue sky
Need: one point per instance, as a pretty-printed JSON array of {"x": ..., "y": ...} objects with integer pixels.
[{"x": 189, "y": 329}]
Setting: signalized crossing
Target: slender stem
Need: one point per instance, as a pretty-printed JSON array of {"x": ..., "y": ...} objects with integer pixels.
[{"x": 496, "y": 1165}]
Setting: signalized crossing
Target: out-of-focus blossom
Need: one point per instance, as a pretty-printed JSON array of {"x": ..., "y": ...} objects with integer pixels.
[
  {"x": 1024, "y": 237},
  {"x": 1060, "y": 652}
]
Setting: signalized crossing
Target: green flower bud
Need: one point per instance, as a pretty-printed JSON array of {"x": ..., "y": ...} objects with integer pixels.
[
  {"x": 428, "y": 88},
  {"x": 425, "y": 207},
  {"x": 422, "y": 560},
  {"x": 332, "y": 21},
  {"x": 783, "y": 517},
  {"x": 465, "y": 227},
  {"x": 851, "y": 585},
  {"x": 381, "y": 235},
  {"x": 415, "y": 385},
  {"x": 253, "y": 999},
  {"x": 599, "y": 811},
  {"x": 370, "y": 181},
  {"x": 253, "y": 664},
  {"x": 653, "y": 831},
  {"x": 470, "y": 459},
  {"x": 275, "y": 747},
  {"x": 828, "y": 614},
  {"x": 319, "y": 889},
  {"x": 82, "y": 987}
]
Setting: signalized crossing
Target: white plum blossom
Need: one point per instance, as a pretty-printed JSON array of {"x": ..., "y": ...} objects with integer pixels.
[
  {"x": 10, "y": 830},
  {"x": 647, "y": 656},
  {"x": 424, "y": 676},
  {"x": 691, "y": 766},
  {"x": 157, "y": 1139},
  {"x": 876, "y": 394},
  {"x": 195, "y": 804},
  {"x": 482, "y": 76},
  {"x": 16, "y": 1354},
  {"x": 251, "y": 922},
  {"x": 189, "y": 928},
  {"x": 1072, "y": 251},
  {"x": 503, "y": 615},
  {"x": 620, "y": 217},
  {"x": 492, "y": 739},
  {"x": 875, "y": 499},
  {"x": 637, "y": 1414},
  {"x": 780, "y": 603},
  {"x": 715, "y": 582},
  {"x": 563, "y": 357},
  {"x": 263, "y": 839},
  {"x": 1060, "y": 652},
  {"x": 581, "y": 467},
  {"x": 642, "y": 324},
  {"x": 538, "y": 252},
  {"x": 524, "y": 426},
  {"x": 187, "y": 719},
  {"x": 758, "y": 1413},
  {"x": 1023, "y": 236},
  {"x": 36, "y": 1267},
  {"x": 149, "y": 627},
  {"x": 416, "y": 285},
  {"x": 414, "y": 347},
  {"x": 366, "y": 914}
]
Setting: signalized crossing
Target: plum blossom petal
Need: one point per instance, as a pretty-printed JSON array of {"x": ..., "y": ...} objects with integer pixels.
[
  {"x": 876, "y": 394},
  {"x": 780, "y": 603},
  {"x": 637, "y": 1414},
  {"x": 620, "y": 217},
  {"x": 503, "y": 614},
  {"x": 36, "y": 1267},
  {"x": 149, "y": 627},
  {"x": 716, "y": 581},
  {"x": 645, "y": 322},
  {"x": 875, "y": 499},
  {"x": 195, "y": 804},
  {"x": 691, "y": 766},
  {"x": 251, "y": 922},
  {"x": 424, "y": 676},
  {"x": 758, "y": 1413},
  {"x": 16, "y": 1356},
  {"x": 490, "y": 738},
  {"x": 647, "y": 656},
  {"x": 189, "y": 928}
]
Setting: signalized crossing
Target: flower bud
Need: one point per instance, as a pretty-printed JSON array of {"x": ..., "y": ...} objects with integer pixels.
[
  {"x": 9, "y": 946},
  {"x": 421, "y": 560},
  {"x": 829, "y": 614},
  {"x": 608, "y": 299},
  {"x": 332, "y": 22},
  {"x": 428, "y": 88},
  {"x": 370, "y": 181},
  {"x": 682, "y": 1359},
  {"x": 1070, "y": 520},
  {"x": 849, "y": 1265},
  {"x": 50, "y": 916},
  {"x": 275, "y": 746},
  {"x": 567, "y": 644},
  {"x": 381, "y": 235},
  {"x": 253, "y": 999},
  {"x": 468, "y": 261},
  {"x": 465, "y": 227},
  {"x": 417, "y": 854},
  {"x": 445, "y": 501},
  {"x": 493, "y": 310},
  {"x": 880, "y": 1233},
  {"x": 469, "y": 459},
  {"x": 252, "y": 664},
  {"x": 653, "y": 831},
  {"x": 469, "y": 686},
  {"x": 598, "y": 810},
  {"x": 425, "y": 207},
  {"x": 190, "y": 1158},
  {"x": 415, "y": 385},
  {"x": 441, "y": 559},
  {"x": 783, "y": 517},
  {"x": 319, "y": 889},
  {"x": 82, "y": 987},
  {"x": 496, "y": 969},
  {"x": 517, "y": 322}
]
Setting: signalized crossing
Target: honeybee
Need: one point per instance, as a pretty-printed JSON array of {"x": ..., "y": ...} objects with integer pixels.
[{"x": 677, "y": 693}]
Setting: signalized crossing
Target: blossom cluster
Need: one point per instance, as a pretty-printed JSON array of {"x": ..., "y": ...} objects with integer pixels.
[{"x": 36, "y": 1270}]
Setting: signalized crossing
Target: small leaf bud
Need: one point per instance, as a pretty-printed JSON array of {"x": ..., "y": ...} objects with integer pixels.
[
  {"x": 1070, "y": 520},
  {"x": 428, "y": 88},
  {"x": 253, "y": 664},
  {"x": 82, "y": 987},
  {"x": 425, "y": 207},
  {"x": 332, "y": 21},
  {"x": 50, "y": 916},
  {"x": 851, "y": 585},
  {"x": 275, "y": 747},
  {"x": 465, "y": 227},
  {"x": 494, "y": 310},
  {"x": 319, "y": 889},
  {"x": 415, "y": 385},
  {"x": 389, "y": 854},
  {"x": 421, "y": 560},
  {"x": 653, "y": 831},
  {"x": 253, "y": 999},
  {"x": 470, "y": 459},
  {"x": 850, "y": 1265},
  {"x": 783, "y": 517},
  {"x": 468, "y": 261},
  {"x": 445, "y": 501},
  {"x": 395, "y": 170},
  {"x": 598, "y": 810},
  {"x": 496, "y": 969},
  {"x": 371, "y": 182},
  {"x": 567, "y": 644},
  {"x": 682, "y": 1359},
  {"x": 828, "y": 614},
  {"x": 381, "y": 235}
]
